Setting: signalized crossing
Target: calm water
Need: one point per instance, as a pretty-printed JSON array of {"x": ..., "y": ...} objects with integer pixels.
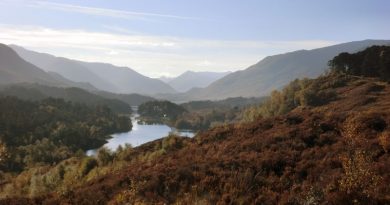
[{"x": 140, "y": 134}]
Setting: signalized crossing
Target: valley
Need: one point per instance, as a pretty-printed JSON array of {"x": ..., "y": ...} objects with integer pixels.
[
  {"x": 194, "y": 102},
  {"x": 309, "y": 139}
]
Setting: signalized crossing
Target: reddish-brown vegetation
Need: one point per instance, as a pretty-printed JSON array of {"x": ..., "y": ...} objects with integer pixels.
[{"x": 336, "y": 153}]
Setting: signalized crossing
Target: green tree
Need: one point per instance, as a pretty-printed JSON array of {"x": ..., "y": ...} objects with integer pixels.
[{"x": 104, "y": 156}]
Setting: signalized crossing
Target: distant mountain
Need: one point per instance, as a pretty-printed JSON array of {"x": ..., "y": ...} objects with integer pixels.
[
  {"x": 191, "y": 79},
  {"x": 14, "y": 69},
  {"x": 65, "y": 67},
  {"x": 101, "y": 75},
  {"x": 127, "y": 80},
  {"x": 274, "y": 72},
  {"x": 165, "y": 79}
]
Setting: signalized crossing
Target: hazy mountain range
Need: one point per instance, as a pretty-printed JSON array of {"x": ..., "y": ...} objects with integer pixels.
[
  {"x": 14, "y": 69},
  {"x": 192, "y": 79},
  {"x": 24, "y": 80},
  {"x": 166, "y": 79},
  {"x": 274, "y": 72},
  {"x": 103, "y": 76},
  {"x": 271, "y": 73},
  {"x": 107, "y": 77}
]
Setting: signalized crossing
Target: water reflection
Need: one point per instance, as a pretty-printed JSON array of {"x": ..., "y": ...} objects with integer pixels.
[{"x": 141, "y": 134}]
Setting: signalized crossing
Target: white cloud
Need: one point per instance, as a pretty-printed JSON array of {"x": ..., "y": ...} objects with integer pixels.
[
  {"x": 205, "y": 63},
  {"x": 148, "y": 54},
  {"x": 112, "y": 53},
  {"x": 113, "y": 13}
]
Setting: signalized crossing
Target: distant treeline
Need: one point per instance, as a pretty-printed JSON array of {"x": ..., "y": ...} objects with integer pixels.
[
  {"x": 371, "y": 62},
  {"x": 195, "y": 115}
]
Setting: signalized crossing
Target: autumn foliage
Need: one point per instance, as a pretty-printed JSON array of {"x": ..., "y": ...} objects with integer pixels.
[{"x": 303, "y": 148}]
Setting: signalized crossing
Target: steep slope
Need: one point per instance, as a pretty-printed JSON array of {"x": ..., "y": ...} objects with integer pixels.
[
  {"x": 76, "y": 72},
  {"x": 65, "y": 67},
  {"x": 101, "y": 75},
  {"x": 273, "y": 72},
  {"x": 191, "y": 79},
  {"x": 127, "y": 80},
  {"x": 14, "y": 69}
]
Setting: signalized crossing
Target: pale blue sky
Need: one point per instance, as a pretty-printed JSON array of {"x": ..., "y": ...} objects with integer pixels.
[{"x": 167, "y": 37}]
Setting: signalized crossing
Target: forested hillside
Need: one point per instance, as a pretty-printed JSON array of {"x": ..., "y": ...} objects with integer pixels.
[
  {"x": 51, "y": 130},
  {"x": 38, "y": 92},
  {"x": 195, "y": 115},
  {"x": 160, "y": 111},
  {"x": 371, "y": 62},
  {"x": 131, "y": 99}
]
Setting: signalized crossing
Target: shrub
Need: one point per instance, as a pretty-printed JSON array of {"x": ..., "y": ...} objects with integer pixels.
[
  {"x": 104, "y": 156},
  {"x": 358, "y": 179},
  {"x": 171, "y": 142},
  {"x": 87, "y": 165},
  {"x": 124, "y": 153},
  {"x": 129, "y": 196}
]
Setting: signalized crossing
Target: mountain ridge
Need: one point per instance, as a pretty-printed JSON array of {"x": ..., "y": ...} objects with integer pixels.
[
  {"x": 14, "y": 69},
  {"x": 62, "y": 66},
  {"x": 101, "y": 75},
  {"x": 128, "y": 80},
  {"x": 273, "y": 72}
]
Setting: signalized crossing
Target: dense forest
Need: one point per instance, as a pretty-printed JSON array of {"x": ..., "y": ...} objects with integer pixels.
[
  {"x": 203, "y": 119},
  {"x": 371, "y": 62},
  {"x": 195, "y": 115},
  {"x": 51, "y": 130},
  {"x": 160, "y": 111}
]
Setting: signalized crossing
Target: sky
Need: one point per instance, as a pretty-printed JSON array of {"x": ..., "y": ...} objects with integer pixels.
[{"x": 168, "y": 37}]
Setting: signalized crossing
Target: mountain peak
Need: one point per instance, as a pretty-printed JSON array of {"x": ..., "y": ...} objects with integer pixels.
[{"x": 7, "y": 53}]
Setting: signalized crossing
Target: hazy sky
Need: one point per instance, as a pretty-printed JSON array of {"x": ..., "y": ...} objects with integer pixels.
[{"x": 168, "y": 37}]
